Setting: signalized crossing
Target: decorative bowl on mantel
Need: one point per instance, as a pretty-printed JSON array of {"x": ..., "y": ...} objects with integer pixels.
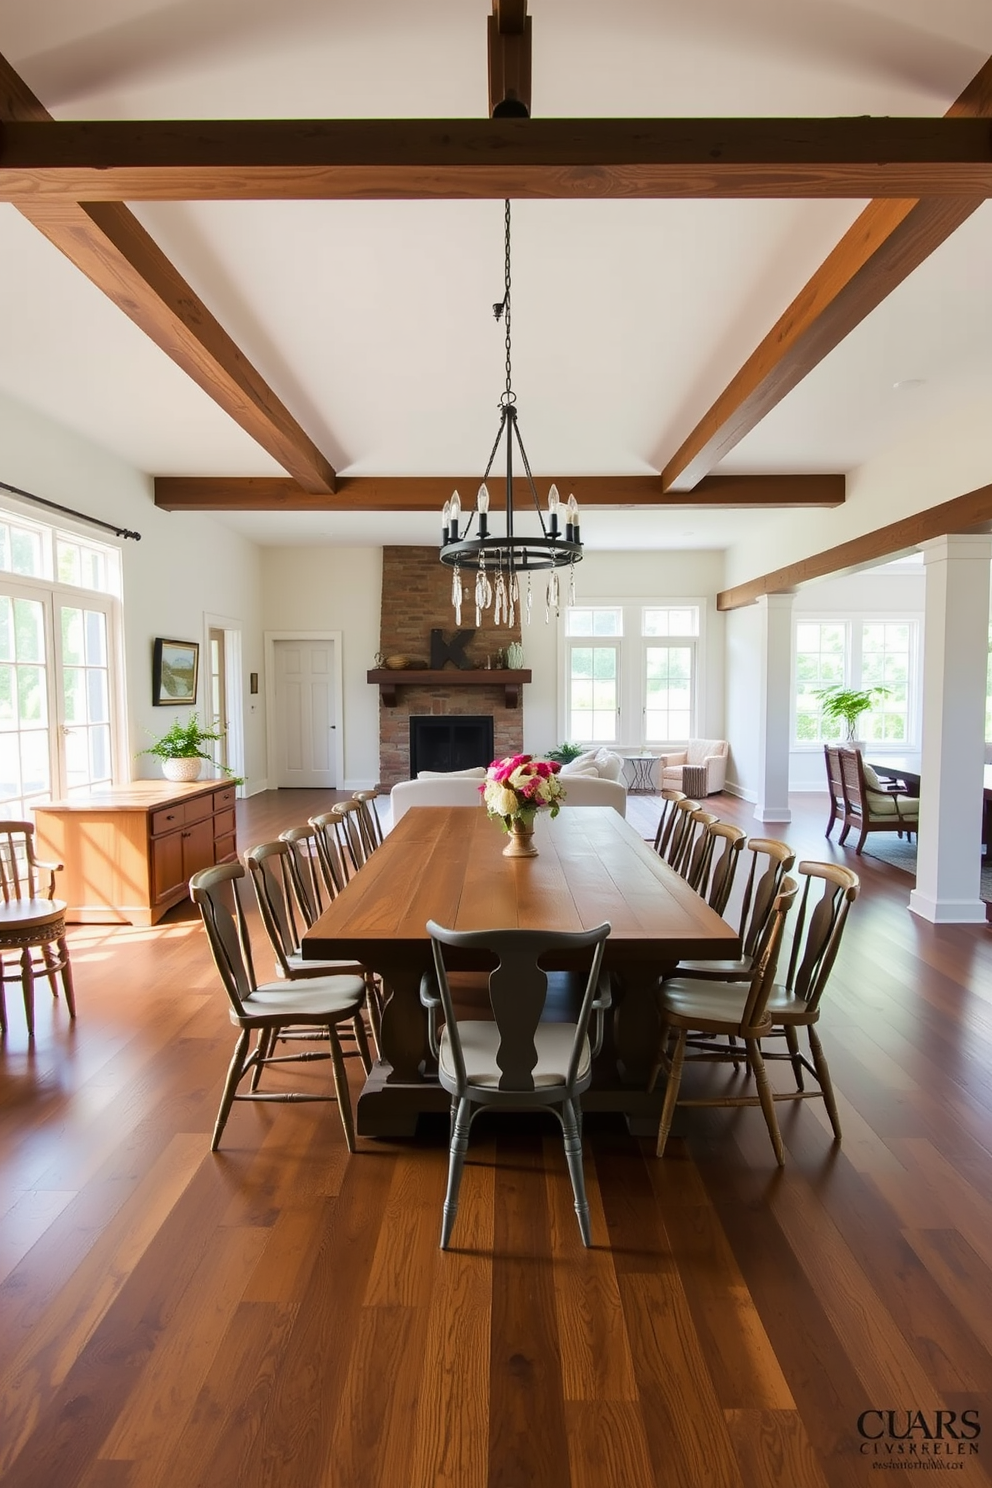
[{"x": 402, "y": 663}]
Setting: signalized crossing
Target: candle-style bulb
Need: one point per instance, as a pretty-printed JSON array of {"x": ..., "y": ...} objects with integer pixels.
[
  {"x": 482, "y": 500},
  {"x": 445, "y": 521},
  {"x": 573, "y": 510},
  {"x": 554, "y": 501},
  {"x": 454, "y": 515}
]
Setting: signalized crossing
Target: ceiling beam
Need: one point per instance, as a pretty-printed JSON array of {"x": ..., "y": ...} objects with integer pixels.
[
  {"x": 108, "y": 244},
  {"x": 969, "y": 513},
  {"x": 510, "y": 52},
  {"x": 192, "y": 160},
  {"x": 882, "y": 248},
  {"x": 429, "y": 493}
]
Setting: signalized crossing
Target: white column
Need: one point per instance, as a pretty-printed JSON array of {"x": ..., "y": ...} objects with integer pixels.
[
  {"x": 955, "y": 651},
  {"x": 773, "y": 710}
]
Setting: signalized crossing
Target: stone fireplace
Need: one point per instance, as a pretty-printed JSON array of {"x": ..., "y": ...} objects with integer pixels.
[{"x": 416, "y": 598}]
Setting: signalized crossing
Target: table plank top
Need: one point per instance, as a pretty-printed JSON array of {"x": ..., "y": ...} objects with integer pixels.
[{"x": 446, "y": 864}]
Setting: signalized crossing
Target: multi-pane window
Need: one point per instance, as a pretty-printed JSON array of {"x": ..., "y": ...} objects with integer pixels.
[
  {"x": 25, "y": 773},
  {"x": 593, "y": 705},
  {"x": 631, "y": 673},
  {"x": 669, "y": 672},
  {"x": 57, "y": 663},
  {"x": 821, "y": 662},
  {"x": 886, "y": 659},
  {"x": 858, "y": 654}
]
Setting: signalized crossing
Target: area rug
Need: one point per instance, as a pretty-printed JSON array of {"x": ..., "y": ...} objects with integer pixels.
[{"x": 902, "y": 854}]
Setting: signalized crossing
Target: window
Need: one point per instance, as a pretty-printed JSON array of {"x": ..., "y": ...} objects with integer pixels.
[
  {"x": 669, "y": 673},
  {"x": 856, "y": 653},
  {"x": 594, "y": 676},
  {"x": 821, "y": 661},
  {"x": 630, "y": 674},
  {"x": 58, "y": 674}
]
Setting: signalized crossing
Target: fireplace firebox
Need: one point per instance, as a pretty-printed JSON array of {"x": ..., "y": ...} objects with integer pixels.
[{"x": 450, "y": 743}]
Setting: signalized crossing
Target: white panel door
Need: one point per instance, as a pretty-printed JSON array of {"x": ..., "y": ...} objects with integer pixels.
[{"x": 304, "y": 707}]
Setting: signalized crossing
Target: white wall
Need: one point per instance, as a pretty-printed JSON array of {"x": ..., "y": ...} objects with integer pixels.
[
  {"x": 335, "y": 588},
  {"x": 602, "y": 577},
  {"x": 185, "y": 567},
  {"x": 744, "y": 631},
  {"x": 945, "y": 460}
]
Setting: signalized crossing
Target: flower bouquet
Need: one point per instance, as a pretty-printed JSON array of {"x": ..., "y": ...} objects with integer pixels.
[{"x": 514, "y": 791}]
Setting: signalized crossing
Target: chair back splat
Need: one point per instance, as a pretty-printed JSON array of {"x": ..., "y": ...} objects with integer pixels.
[
  {"x": 667, "y": 820},
  {"x": 814, "y": 953},
  {"x": 304, "y": 871}
]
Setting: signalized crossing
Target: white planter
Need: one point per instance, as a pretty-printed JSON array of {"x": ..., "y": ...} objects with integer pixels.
[{"x": 182, "y": 769}]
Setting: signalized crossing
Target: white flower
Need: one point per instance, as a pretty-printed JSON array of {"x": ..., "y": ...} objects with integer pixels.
[{"x": 501, "y": 800}]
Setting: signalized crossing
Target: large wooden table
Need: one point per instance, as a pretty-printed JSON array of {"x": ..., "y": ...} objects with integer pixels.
[{"x": 446, "y": 864}]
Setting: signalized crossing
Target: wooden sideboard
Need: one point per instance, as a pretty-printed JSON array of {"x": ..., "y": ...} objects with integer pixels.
[{"x": 128, "y": 852}]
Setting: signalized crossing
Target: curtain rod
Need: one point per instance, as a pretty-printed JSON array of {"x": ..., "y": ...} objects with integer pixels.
[{"x": 69, "y": 512}]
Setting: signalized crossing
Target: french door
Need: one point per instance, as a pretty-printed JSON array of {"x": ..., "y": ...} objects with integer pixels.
[{"x": 58, "y": 692}]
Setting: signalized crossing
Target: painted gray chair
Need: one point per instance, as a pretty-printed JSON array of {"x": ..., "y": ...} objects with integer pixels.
[{"x": 518, "y": 1061}]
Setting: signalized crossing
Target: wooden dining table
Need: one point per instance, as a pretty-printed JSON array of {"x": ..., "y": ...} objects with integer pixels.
[{"x": 446, "y": 864}]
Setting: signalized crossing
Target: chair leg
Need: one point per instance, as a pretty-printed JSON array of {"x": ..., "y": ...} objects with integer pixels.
[
  {"x": 51, "y": 968},
  {"x": 234, "y": 1073},
  {"x": 341, "y": 1090},
  {"x": 3, "y": 1006},
  {"x": 792, "y": 1039},
  {"x": 659, "y": 1063},
  {"x": 671, "y": 1093},
  {"x": 573, "y": 1157},
  {"x": 765, "y": 1097},
  {"x": 263, "y": 1048},
  {"x": 27, "y": 986},
  {"x": 843, "y": 836},
  {"x": 826, "y": 1084},
  {"x": 361, "y": 1040},
  {"x": 862, "y": 839},
  {"x": 456, "y": 1162},
  {"x": 67, "y": 987}
]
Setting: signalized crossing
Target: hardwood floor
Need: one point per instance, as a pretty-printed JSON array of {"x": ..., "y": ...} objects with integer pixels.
[{"x": 279, "y": 1313}]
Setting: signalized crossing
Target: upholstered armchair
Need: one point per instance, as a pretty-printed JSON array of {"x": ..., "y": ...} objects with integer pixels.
[{"x": 708, "y": 754}]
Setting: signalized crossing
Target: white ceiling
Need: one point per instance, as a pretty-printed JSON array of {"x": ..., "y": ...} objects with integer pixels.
[{"x": 373, "y": 321}]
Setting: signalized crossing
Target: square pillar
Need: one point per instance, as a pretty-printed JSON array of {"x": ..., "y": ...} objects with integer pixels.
[
  {"x": 774, "y": 708},
  {"x": 955, "y": 653}
]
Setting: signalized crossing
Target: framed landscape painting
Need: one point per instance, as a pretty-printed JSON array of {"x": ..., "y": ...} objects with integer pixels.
[{"x": 174, "y": 672}]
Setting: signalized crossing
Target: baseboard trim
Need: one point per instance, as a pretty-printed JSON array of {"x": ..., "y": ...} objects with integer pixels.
[{"x": 740, "y": 792}]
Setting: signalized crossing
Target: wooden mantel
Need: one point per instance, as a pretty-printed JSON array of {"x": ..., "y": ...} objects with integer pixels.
[{"x": 388, "y": 681}]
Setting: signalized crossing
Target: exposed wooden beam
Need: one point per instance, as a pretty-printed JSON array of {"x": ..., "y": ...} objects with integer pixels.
[
  {"x": 510, "y": 51},
  {"x": 190, "y": 160},
  {"x": 970, "y": 513},
  {"x": 882, "y": 247},
  {"x": 429, "y": 492},
  {"x": 108, "y": 244}
]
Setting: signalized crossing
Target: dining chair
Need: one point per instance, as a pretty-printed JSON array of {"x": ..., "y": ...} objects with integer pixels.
[
  {"x": 350, "y": 835},
  {"x": 697, "y": 847},
  {"x": 681, "y": 827},
  {"x": 270, "y": 1009},
  {"x": 667, "y": 819},
  {"x": 690, "y": 1006},
  {"x": 869, "y": 808},
  {"x": 835, "y": 786},
  {"x": 32, "y": 921},
  {"x": 368, "y": 820},
  {"x": 770, "y": 862},
  {"x": 328, "y": 829},
  {"x": 304, "y": 871},
  {"x": 517, "y": 1061},
  {"x": 311, "y": 889},
  {"x": 716, "y": 881},
  {"x": 795, "y": 1004}
]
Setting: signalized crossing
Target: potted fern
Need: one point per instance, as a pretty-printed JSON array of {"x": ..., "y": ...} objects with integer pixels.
[
  {"x": 181, "y": 750},
  {"x": 847, "y": 704}
]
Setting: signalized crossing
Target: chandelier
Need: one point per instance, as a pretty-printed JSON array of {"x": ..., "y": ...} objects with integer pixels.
[{"x": 499, "y": 561}]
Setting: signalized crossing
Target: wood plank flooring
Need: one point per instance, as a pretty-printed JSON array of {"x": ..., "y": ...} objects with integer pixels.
[{"x": 279, "y": 1313}]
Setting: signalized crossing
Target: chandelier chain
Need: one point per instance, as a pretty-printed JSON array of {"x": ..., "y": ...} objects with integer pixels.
[{"x": 508, "y": 396}]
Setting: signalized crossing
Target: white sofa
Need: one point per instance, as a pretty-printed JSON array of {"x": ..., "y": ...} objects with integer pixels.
[
  {"x": 463, "y": 790},
  {"x": 710, "y": 753}
]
